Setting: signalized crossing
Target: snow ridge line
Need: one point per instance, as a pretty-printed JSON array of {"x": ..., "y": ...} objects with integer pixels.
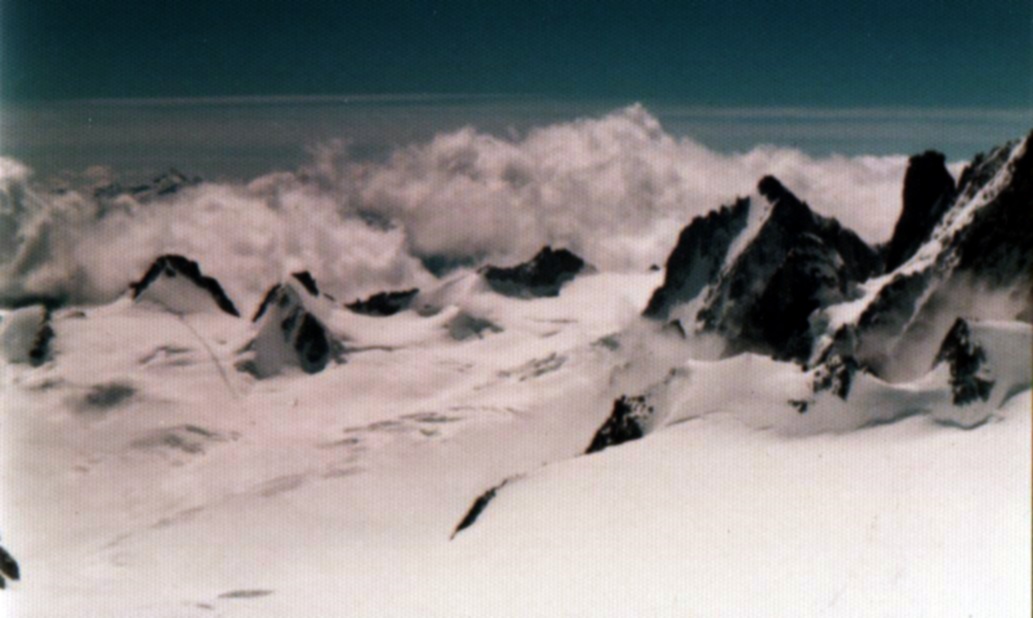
[{"x": 211, "y": 354}]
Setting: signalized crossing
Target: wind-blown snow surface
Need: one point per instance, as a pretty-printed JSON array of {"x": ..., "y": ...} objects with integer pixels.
[{"x": 143, "y": 474}]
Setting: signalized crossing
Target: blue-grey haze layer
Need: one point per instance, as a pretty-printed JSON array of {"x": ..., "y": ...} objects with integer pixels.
[{"x": 245, "y": 137}]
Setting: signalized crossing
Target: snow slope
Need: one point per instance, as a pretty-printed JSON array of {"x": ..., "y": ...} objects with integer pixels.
[
  {"x": 144, "y": 476},
  {"x": 164, "y": 455}
]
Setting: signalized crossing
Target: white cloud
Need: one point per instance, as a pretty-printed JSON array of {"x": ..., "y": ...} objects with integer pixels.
[{"x": 616, "y": 189}]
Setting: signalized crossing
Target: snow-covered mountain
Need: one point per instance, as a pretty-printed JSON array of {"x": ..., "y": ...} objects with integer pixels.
[
  {"x": 787, "y": 420},
  {"x": 799, "y": 286}
]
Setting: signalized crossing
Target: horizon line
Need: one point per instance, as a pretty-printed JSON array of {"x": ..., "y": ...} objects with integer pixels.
[{"x": 666, "y": 107}]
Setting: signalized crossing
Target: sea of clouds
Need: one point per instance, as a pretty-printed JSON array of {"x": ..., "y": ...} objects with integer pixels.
[{"x": 616, "y": 189}]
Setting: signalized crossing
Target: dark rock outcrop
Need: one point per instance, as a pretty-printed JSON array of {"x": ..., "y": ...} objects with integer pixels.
[
  {"x": 40, "y": 350},
  {"x": 289, "y": 334},
  {"x": 543, "y": 275},
  {"x": 477, "y": 508},
  {"x": 797, "y": 262},
  {"x": 981, "y": 245},
  {"x": 26, "y": 335},
  {"x": 970, "y": 381},
  {"x": 629, "y": 420},
  {"x": 172, "y": 266},
  {"x": 307, "y": 281},
  {"x": 996, "y": 247},
  {"x": 8, "y": 568},
  {"x": 888, "y": 316},
  {"x": 698, "y": 257},
  {"x": 311, "y": 342},
  {"x": 896, "y": 302},
  {"x": 808, "y": 279},
  {"x": 928, "y": 193},
  {"x": 836, "y": 374},
  {"x": 837, "y": 366},
  {"x": 384, "y": 304}
]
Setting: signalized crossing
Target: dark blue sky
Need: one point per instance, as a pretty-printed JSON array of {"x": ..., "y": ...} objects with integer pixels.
[{"x": 710, "y": 52}]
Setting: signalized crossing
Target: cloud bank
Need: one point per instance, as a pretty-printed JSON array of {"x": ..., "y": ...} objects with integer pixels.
[{"x": 615, "y": 189}]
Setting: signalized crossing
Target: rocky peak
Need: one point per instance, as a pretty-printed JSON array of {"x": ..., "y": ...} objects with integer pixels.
[
  {"x": 697, "y": 258},
  {"x": 163, "y": 283},
  {"x": 289, "y": 334},
  {"x": 928, "y": 192},
  {"x": 797, "y": 262},
  {"x": 981, "y": 242},
  {"x": 384, "y": 304},
  {"x": 544, "y": 275},
  {"x": 982, "y": 169},
  {"x": 307, "y": 281},
  {"x": 630, "y": 419},
  {"x": 969, "y": 377},
  {"x": 997, "y": 246}
]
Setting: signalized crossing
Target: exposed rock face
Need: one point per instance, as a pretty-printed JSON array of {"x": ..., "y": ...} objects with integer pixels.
[
  {"x": 543, "y": 275},
  {"x": 836, "y": 374},
  {"x": 158, "y": 284},
  {"x": 629, "y": 420},
  {"x": 8, "y": 568},
  {"x": 835, "y": 370},
  {"x": 888, "y": 316},
  {"x": 809, "y": 278},
  {"x": 980, "y": 243},
  {"x": 477, "y": 508},
  {"x": 996, "y": 246},
  {"x": 970, "y": 376},
  {"x": 797, "y": 262},
  {"x": 928, "y": 193},
  {"x": 39, "y": 353},
  {"x": 289, "y": 334},
  {"x": 25, "y": 335},
  {"x": 307, "y": 281},
  {"x": 698, "y": 257},
  {"x": 384, "y": 304}
]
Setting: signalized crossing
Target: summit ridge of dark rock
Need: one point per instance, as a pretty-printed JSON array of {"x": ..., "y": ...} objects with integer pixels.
[
  {"x": 543, "y": 275},
  {"x": 289, "y": 333},
  {"x": 383, "y": 304},
  {"x": 797, "y": 262},
  {"x": 979, "y": 245},
  {"x": 697, "y": 257},
  {"x": 629, "y": 420},
  {"x": 172, "y": 265},
  {"x": 928, "y": 193}
]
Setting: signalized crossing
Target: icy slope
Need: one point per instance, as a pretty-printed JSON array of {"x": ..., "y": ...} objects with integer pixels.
[
  {"x": 141, "y": 435},
  {"x": 145, "y": 476},
  {"x": 714, "y": 518},
  {"x": 162, "y": 456}
]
